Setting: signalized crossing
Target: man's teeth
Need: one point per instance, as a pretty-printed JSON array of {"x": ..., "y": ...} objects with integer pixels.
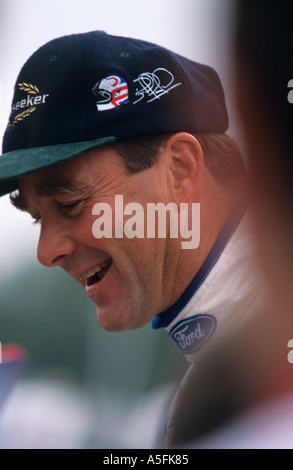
[{"x": 95, "y": 270}]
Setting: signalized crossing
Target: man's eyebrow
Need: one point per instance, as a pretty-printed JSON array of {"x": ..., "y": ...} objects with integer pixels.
[
  {"x": 60, "y": 187},
  {"x": 47, "y": 188}
]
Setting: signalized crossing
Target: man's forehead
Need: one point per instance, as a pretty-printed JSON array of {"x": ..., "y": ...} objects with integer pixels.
[
  {"x": 79, "y": 176},
  {"x": 49, "y": 185},
  {"x": 46, "y": 187},
  {"x": 70, "y": 176}
]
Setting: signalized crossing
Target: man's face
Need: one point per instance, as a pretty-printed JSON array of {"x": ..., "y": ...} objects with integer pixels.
[{"x": 129, "y": 280}]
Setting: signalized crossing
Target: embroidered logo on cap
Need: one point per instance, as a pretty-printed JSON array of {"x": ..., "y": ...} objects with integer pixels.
[
  {"x": 151, "y": 86},
  {"x": 29, "y": 104},
  {"x": 112, "y": 92},
  {"x": 190, "y": 334}
]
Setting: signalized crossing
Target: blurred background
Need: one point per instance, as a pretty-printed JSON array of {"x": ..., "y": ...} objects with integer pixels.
[{"x": 82, "y": 386}]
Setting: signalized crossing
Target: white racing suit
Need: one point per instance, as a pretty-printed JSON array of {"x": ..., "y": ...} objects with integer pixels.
[{"x": 223, "y": 295}]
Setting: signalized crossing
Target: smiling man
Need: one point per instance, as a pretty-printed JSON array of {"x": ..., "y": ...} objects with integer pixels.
[{"x": 96, "y": 116}]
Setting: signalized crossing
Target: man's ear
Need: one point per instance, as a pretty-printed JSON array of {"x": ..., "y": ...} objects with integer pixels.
[{"x": 185, "y": 163}]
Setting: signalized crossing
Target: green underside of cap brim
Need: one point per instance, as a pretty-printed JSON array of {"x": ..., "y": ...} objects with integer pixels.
[{"x": 18, "y": 163}]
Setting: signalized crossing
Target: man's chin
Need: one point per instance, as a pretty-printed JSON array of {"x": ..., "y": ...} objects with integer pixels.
[
  {"x": 110, "y": 320},
  {"x": 113, "y": 320}
]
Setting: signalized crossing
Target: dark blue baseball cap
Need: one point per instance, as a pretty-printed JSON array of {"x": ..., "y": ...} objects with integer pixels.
[{"x": 86, "y": 90}]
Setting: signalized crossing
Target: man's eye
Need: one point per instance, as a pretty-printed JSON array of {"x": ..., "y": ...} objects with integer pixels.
[{"x": 69, "y": 207}]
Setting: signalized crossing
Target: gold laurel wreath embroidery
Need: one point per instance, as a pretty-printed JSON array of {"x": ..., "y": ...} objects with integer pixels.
[
  {"x": 21, "y": 116},
  {"x": 29, "y": 88},
  {"x": 32, "y": 90}
]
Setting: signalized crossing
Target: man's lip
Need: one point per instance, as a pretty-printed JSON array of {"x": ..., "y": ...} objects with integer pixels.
[
  {"x": 81, "y": 276},
  {"x": 93, "y": 289}
]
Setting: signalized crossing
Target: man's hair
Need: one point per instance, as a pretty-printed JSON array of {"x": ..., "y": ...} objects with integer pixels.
[{"x": 222, "y": 156}]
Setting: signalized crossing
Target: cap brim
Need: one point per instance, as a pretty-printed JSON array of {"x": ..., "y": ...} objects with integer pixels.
[{"x": 18, "y": 163}]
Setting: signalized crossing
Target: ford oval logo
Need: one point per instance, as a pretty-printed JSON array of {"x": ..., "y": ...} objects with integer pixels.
[{"x": 190, "y": 334}]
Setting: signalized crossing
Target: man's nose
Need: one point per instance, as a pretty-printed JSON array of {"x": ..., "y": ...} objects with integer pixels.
[{"x": 54, "y": 247}]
